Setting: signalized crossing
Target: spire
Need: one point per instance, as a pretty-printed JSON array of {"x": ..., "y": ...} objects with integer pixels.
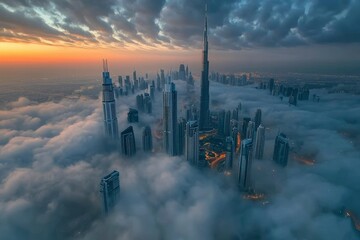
[
  {"x": 206, "y": 30},
  {"x": 105, "y": 65}
]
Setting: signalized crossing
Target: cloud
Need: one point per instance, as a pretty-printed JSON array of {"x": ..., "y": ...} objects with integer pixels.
[
  {"x": 232, "y": 24},
  {"x": 53, "y": 155}
]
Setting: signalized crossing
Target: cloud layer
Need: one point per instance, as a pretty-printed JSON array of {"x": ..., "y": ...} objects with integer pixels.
[
  {"x": 234, "y": 24},
  {"x": 53, "y": 155}
]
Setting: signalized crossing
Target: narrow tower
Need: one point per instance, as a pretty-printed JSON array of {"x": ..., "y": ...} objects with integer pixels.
[
  {"x": 170, "y": 119},
  {"x": 110, "y": 119},
  {"x": 260, "y": 142},
  {"x": 204, "y": 97},
  {"x": 192, "y": 143},
  {"x": 110, "y": 190}
]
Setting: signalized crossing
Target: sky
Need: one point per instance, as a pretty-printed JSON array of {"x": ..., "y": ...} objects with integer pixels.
[
  {"x": 68, "y": 39},
  {"x": 53, "y": 155}
]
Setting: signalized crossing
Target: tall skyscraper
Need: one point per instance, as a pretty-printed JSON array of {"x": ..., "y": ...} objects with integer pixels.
[
  {"x": 181, "y": 136},
  {"x": 204, "y": 97},
  {"x": 271, "y": 85},
  {"x": 230, "y": 152},
  {"x": 227, "y": 123},
  {"x": 234, "y": 135},
  {"x": 133, "y": 115},
  {"x": 170, "y": 118},
  {"x": 147, "y": 139},
  {"x": 110, "y": 119},
  {"x": 135, "y": 80},
  {"x": 250, "y": 131},
  {"x": 244, "y": 167},
  {"x": 245, "y": 123},
  {"x": 120, "y": 80},
  {"x": 192, "y": 142},
  {"x": 110, "y": 190},
  {"x": 162, "y": 78},
  {"x": 260, "y": 142},
  {"x": 281, "y": 150},
  {"x": 221, "y": 122},
  {"x": 182, "y": 73},
  {"x": 257, "y": 118},
  {"x": 128, "y": 147}
]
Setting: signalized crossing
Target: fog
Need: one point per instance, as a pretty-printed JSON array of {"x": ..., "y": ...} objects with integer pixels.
[{"x": 53, "y": 155}]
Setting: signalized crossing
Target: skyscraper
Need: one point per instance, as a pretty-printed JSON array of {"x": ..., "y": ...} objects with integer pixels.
[
  {"x": 181, "y": 136},
  {"x": 281, "y": 150},
  {"x": 147, "y": 139},
  {"x": 169, "y": 118},
  {"x": 147, "y": 103},
  {"x": 227, "y": 123},
  {"x": 244, "y": 167},
  {"x": 234, "y": 135},
  {"x": 128, "y": 147},
  {"x": 110, "y": 119},
  {"x": 133, "y": 115},
  {"x": 204, "y": 97},
  {"x": 257, "y": 118},
  {"x": 110, "y": 190},
  {"x": 260, "y": 142},
  {"x": 250, "y": 130},
  {"x": 230, "y": 152},
  {"x": 271, "y": 85},
  {"x": 182, "y": 73},
  {"x": 192, "y": 142},
  {"x": 245, "y": 123},
  {"x": 221, "y": 122}
]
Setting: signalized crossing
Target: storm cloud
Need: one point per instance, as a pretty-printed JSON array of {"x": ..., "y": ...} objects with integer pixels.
[
  {"x": 53, "y": 155},
  {"x": 233, "y": 24}
]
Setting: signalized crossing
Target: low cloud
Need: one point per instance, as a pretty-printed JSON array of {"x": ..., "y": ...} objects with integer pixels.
[{"x": 54, "y": 154}]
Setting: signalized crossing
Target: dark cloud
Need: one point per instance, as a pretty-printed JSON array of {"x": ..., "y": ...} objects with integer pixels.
[{"x": 233, "y": 24}]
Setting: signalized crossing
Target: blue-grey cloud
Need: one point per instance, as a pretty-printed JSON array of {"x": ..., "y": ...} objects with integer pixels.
[{"x": 233, "y": 24}]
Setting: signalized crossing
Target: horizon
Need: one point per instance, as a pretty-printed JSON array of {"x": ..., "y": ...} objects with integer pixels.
[{"x": 246, "y": 36}]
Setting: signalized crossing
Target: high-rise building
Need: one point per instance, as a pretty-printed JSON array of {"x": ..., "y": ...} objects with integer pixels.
[
  {"x": 221, "y": 122},
  {"x": 128, "y": 147},
  {"x": 152, "y": 91},
  {"x": 235, "y": 115},
  {"x": 192, "y": 142},
  {"x": 244, "y": 165},
  {"x": 181, "y": 136},
  {"x": 245, "y": 123},
  {"x": 110, "y": 190},
  {"x": 260, "y": 142},
  {"x": 182, "y": 73},
  {"x": 234, "y": 135},
  {"x": 147, "y": 139},
  {"x": 281, "y": 150},
  {"x": 204, "y": 97},
  {"x": 230, "y": 152},
  {"x": 227, "y": 123},
  {"x": 133, "y": 115},
  {"x": 120, "y": 80},
  {"x": 162, "y": 78},
  {"x": 140, "y": 102},
  {"x": 108, "y": 100},
  {"x": 271, "y": 85},
  {"x": 250, "y": 131},
  {"x": 170, "y": 119},
  {"x": 147, "y": 103},
  {"x": 257, "y": 118}
]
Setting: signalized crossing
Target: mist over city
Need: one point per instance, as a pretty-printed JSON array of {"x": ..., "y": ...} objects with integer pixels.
[{"x": 179, "y": 119}]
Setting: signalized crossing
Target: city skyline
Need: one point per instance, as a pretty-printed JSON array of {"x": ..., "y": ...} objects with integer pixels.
[{"x": 248, "y": 34}]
